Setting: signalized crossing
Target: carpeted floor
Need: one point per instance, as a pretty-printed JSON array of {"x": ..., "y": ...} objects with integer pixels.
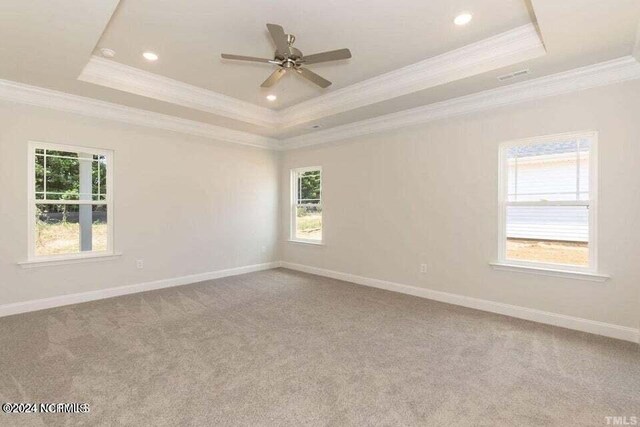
[{"x": 285, "y": 348}]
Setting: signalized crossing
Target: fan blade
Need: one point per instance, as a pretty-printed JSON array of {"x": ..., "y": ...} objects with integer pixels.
[
  {"x": 244, "y": 58},
  {"x": 274, "y": 77},
  {"x": 310, "y": 75},
  {"x": 279, "y": 38},
  {"x": 333, "y": 55}
]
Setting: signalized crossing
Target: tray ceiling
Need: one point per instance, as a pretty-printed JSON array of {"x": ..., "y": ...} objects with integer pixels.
[
  {"x": 382, "y": 35},
  {"x": 408, "y": 58}
]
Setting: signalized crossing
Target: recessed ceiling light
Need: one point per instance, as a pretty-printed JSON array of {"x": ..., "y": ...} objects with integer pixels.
[
  {"x": 271, "y": 98},
  {"x": 150, "y": 56},
  {"x": 107, "y": 53},
  {"x": 463, "y": 19}
]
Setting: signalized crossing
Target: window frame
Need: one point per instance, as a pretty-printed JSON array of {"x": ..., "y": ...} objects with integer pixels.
[
  {"x": 592, "y": 203},
  {"x": 293, "y": 221},
  {"x": 32, "y": 202}
]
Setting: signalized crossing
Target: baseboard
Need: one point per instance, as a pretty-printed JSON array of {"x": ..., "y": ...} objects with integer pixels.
[
  {"x": 561, "y": 320},
  {"x": 57, "y": 301}
]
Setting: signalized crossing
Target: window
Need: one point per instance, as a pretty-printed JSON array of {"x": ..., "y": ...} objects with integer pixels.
[
  {"x": 306, "y": 206},
  {"x": 547, "y": 202},
  {"x": 70, "y": 202}
]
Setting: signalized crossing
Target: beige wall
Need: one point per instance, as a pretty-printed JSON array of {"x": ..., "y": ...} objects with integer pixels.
[
  {"x": 185, "y": 205},
  {"x": 428, "y": 194},
  {"x": 636, "y": 48}
]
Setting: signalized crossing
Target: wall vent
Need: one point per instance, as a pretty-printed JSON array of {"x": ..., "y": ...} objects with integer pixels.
[{"x": 514, "y": 75}]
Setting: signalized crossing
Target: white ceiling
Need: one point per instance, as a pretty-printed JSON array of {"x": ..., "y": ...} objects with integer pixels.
[
  {"x": 48, "y": 43},
  {"x": 381, "y": 34},
  {"x": 45, "y": 42}
]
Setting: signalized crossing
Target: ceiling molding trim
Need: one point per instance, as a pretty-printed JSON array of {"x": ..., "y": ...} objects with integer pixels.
[
  {"x": 122, "y": 77},
  {"x": 508, "y": 48},
  {"x": 605, "y": 73},
  {"x": 51, "y": 99}
]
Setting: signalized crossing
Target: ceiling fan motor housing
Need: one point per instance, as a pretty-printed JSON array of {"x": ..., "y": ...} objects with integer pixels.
[{"x": 291, "y": 57}]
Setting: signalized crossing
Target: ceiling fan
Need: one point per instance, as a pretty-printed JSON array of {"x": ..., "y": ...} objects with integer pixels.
[{"x": 287, "y": 57}]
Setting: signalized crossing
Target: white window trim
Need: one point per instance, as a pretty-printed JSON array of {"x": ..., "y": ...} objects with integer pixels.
[
  {"x": 552, "y": 272},
  {"x": 293, "y": 199},
  {"x": 32, "y": 258},
  {"x": 89, "y": 257},
  {"x": 550, "y": 269}
]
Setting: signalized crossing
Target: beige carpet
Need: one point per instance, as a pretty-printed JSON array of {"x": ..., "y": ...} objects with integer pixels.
[{"x": 286, "y": 348}]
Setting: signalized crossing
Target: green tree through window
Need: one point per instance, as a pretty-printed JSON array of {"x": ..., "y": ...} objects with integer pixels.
[{"x": 309, "y": 187}]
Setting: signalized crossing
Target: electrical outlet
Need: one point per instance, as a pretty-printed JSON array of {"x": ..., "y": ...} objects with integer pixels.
[
  {"x": 140, "y": 264},
  {"x": 423, "y": 268},
  {"x": 264, "y": 249}
]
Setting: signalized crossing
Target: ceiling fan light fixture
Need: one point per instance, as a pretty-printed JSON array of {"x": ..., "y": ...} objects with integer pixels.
[
  {"x": 463, "y": 19},
  {"x": 150, "y": 56},
  {"x": 271, "y": 98}
]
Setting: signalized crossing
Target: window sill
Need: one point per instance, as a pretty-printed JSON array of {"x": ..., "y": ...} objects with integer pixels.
[
  {"x": 541, "y": 271},
  {"x": 36, "y": 263},
  {"x": 306, "y": 242}
]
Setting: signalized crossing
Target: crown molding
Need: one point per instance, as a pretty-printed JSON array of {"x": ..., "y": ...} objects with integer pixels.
[
  {"x": 47, "y": 98},
  {"x": 511, "y": 47},
  {"x": 122, "y": 77},
  {"x": 605, "y": 73},
  {"x": 508, "y": 48}
]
